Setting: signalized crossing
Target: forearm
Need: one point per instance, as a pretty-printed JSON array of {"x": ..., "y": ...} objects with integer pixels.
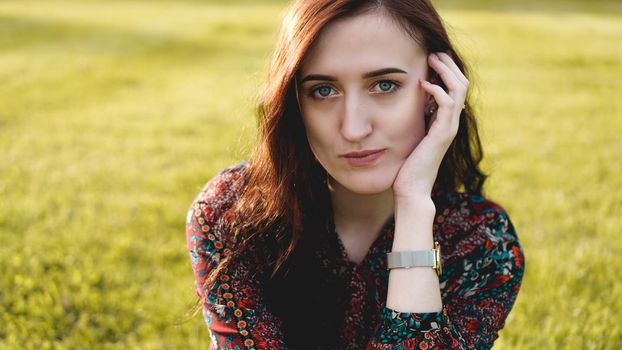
[{"x": 414, "y": 289}]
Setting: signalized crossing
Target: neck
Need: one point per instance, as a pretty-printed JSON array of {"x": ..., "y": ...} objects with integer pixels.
[{"x": 360, "y": 214}]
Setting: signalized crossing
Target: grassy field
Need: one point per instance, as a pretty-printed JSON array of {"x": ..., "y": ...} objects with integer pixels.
[{"x": 114, "y": 114}]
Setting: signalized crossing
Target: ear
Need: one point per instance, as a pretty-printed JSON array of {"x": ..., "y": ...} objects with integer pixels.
[
  {"x": 430, "y": 104},
  {"x": 430, "y": 107},
  {"x": 429, "y": 100}
]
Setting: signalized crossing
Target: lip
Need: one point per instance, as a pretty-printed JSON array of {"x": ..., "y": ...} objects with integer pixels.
[{"x": 362, "y": 158}]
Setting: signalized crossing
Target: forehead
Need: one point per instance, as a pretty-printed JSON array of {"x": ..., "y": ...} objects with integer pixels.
[{"x": 367, "y": 41}]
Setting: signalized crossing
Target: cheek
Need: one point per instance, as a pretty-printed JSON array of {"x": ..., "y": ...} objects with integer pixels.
[
  {"x": 407, "y": 121},
  {"x": 316, "y": 147},
  {"x": 316, "y": 136}
]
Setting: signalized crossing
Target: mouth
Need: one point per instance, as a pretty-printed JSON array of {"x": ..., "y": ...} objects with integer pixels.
[
  {"x": 362, "y": 158},
  {"x": 361, "y": 154}
]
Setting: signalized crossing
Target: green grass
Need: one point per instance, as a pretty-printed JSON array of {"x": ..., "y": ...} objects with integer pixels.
[{"x": 114, "y": 114}]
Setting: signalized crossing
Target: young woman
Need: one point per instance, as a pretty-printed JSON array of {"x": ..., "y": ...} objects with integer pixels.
[{"x": 366, "y": 164}]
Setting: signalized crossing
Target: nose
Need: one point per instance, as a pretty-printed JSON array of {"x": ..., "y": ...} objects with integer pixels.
[{"x": 355, "y": 122}]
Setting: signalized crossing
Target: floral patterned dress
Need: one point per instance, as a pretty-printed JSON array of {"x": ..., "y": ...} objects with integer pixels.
[{"x": 482, "y": 261}]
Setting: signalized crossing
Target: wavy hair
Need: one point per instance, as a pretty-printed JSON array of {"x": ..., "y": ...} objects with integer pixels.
[{"x": 285, "y": 187}]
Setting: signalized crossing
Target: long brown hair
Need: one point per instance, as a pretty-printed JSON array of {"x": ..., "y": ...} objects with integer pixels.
[{"x": 285, "y": 186}]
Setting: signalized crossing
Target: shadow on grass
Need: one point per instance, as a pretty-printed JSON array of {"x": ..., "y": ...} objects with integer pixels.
[
  {"x": 20, "y": 33},
  {"x": 613, "y": 7}
]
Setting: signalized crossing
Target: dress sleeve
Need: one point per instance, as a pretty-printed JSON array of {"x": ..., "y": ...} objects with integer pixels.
[
  {"x": 233, "y": 307},
  {"x": 480, "y": 292}
]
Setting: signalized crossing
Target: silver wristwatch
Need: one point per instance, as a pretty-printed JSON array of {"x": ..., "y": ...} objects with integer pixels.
[{"x": 425, "y": 258}]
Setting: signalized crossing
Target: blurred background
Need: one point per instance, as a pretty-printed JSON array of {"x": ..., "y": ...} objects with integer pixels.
[{"x": 113, "y": 114}]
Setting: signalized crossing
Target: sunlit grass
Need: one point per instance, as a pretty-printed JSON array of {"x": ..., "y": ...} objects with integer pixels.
[{"x": 113, "y": 115}]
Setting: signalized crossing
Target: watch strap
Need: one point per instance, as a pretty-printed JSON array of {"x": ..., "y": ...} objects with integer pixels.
[{"x": 406, "y": 259}]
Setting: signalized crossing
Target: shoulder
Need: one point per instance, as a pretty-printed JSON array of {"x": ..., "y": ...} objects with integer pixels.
[
  {"x": 472, "y": 212},
  {"x": 222, "y": 189},
  {"x": 217, "y": 195},
  {"x": 476, "y": 226}
]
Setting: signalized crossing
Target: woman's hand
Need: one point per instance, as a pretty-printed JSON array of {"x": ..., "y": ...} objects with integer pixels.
[{"x": 416, "y": 177}]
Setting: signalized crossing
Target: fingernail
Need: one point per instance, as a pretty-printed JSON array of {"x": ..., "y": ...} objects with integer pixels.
[{"x": 435, "y": 56}]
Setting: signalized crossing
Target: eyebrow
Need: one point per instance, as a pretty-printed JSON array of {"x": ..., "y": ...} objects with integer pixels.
[{"x": 367, "y": 75}]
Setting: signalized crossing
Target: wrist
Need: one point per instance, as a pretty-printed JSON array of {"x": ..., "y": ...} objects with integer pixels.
[
  {"x": 414, "y": 220},
  {"x": 420, "y": 205}
]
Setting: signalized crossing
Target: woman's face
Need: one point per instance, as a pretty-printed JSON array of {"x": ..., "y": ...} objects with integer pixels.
[{"x": 361, "y": 102}]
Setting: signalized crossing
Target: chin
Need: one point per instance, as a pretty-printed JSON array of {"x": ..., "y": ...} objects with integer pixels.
[{"x": 368, "y": 182}]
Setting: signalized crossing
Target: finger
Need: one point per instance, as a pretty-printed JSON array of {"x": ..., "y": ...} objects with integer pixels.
[
  {"x": 448, "y": 76},
  {"x": 445, "y": 103},
  {"x": 440, "y": 96},
  {"x": 449, "y": 62},
  {"x": 448, "y": 111},
  {"x": 457, "y": 90}
]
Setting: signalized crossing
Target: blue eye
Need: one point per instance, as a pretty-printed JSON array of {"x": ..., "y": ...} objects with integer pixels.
[
  {"x": 322, "y": 92},
  {"x": 386, "y": 86}
]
